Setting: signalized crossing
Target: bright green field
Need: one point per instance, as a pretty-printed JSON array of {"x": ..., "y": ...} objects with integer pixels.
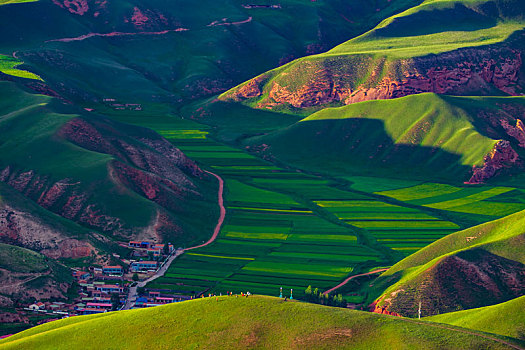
[
  {"x": 8, "y": 64},
  {"x": 255, "y": 322}
]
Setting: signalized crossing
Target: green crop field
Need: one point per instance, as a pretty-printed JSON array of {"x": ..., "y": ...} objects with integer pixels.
[
  {"x": 8, "y": 64},
  {"x": 291, "y": 230}
]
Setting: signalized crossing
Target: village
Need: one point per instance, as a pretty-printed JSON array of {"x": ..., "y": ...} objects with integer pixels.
[{"x": 105, "y": 288}]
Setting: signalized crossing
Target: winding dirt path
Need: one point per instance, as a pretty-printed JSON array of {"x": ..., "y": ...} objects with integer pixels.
[
  {"x": 132, "y": 293},
  {"x": 221, "y": 216},
  {"x": 162, "y": 32},
  {"x": 351, "y": 278}
]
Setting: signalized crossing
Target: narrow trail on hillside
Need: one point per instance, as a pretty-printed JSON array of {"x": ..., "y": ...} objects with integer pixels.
[
  {"x": 221, "y": 216},
  {"x": 162, "y": 32},
  {"x": 133, "y": 290},
  {"x": 351, "y": 278}
]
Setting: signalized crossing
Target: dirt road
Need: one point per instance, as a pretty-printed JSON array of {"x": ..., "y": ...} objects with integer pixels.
[
  {"x": 132, "y": 293},
  {"x": 351, "y": 278}
]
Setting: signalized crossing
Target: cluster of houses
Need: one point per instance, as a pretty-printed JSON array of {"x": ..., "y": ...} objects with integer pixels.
[
  {"x": 113, "y": 103},
  {"x": 253, "y": 6},
  {"x": 99, "y": 285}
]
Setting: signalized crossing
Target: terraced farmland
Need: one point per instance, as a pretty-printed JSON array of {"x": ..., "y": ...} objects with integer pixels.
[
  {"x": 289, "y": 229},
  {"x": 491, "y": 202}
]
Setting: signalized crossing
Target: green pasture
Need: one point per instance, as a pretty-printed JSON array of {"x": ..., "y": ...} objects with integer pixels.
[{"x": 8, "y": 64}]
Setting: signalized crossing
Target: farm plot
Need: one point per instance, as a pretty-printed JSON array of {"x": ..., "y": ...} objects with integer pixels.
[
  {"x": 270, "y": 241},
  {"x": 399, "y": 228},
  {"x": 289, "y": 229},
  {"x": 492, "y": 202}
]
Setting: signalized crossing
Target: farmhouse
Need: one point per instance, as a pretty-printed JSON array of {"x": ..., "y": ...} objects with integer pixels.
[
  {"x": 80, "y": 275},
  {"x": 37, "y": 306},
  {"x": 141, "y": 266},
  {"x": 109, "y": 288},
  {"x": 106, "y": 306},
  {"x": 139, "y": 244},
  {"x": 112, "y": 270}
]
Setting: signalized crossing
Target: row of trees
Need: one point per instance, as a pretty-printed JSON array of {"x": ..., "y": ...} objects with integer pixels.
[{"x": 314, "y": 296}]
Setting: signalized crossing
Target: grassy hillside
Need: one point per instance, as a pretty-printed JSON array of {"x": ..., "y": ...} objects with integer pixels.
[
  {"x": 96, "y": 172},
  {"x": 425, "y": 136},
  {"x": 255, "y": 322},
  {"x": 213, "y": 45},
  {"x": 26, "y": 276},
  {"x": 414, "y": 51},
  {"x": 507, "y": 318},
  {"x": 490, "y": 251}
]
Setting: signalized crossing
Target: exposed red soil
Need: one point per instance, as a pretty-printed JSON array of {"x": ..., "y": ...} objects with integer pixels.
[{"x": 351, "y": 278}]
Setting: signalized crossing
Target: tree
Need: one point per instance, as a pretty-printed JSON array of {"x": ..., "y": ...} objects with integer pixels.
[
  {"x": 166, "y": 249},
  {"x": 135, "y": 277},
  {"x": 115, "y": 301},
  {"x": 315, "y": 296},
  {"x": 340, "y": 302},
  {"x": 308, "y": 293}
]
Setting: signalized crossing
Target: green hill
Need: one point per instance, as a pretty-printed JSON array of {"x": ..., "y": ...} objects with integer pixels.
[
  {"x": 439, "y": 46},
  {"x": 91, "y": 51},
  {"x": 476, "y": 267},
  {"x": 506, "y": 318},
  {"x": 422, "y": 136},
  {"x": 119, "y": 180},
  {"x": 26, "y": 276},
  {"x": 255, "y": 322}
]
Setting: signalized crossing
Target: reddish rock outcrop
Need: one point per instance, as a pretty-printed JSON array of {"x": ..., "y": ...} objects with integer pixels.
[
  {"x": 517, "y": 132},
  {"x": 502, "y": 156},
  {"x": 250, "y": 89},
  {"x": 138, "y": 18},
  {"x": 77, "y": 7},
  {"x": 144, "y": 163},
  {"x": 70, "y": 248},
  {"x": 465, "y": 280},
  {"x": 472, "y": 71}
]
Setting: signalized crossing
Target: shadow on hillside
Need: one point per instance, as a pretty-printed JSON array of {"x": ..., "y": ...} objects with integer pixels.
[{"x": 360, "y": 146}]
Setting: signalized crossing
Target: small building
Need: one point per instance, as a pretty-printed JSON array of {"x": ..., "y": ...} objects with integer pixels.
[
  {"x": 108, "y": 289},
  {"x": 106, "y": 306},
  {"x": 155, "y": 252},
  {"x": 37, "y": 306},
  {"x": 139, "y": 244},
  {"x": 81, "y": 275},
  {"x": 112, "y": 270},
  {"x": 142, "y": 266},
  {"x": 164, "y": 300}
]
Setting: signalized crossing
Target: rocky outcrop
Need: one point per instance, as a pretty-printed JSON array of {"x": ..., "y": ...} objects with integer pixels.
[
  {"x": 517, "y": 132},
  {"x": 469, "y": 279},
  {"x": 473, "y": 71},
  {"x": 502, "y": 157},
  {"x": 144, "y": 163},
  {"x": 250, "y": 90},
  {"x": 24, "y": 229}
]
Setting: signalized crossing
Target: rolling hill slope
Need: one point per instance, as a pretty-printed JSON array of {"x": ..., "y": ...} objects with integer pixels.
[
  {"x": 255, "y": 322},
  {"x": 153, "y": 52},
  {"x": 422, "y": 136},
  {"x": 506, "y": 318},
  {"x": 99, "y": 175},
  {"x": 452, "y": 47},
  {"x": 480, "y": 266}
]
